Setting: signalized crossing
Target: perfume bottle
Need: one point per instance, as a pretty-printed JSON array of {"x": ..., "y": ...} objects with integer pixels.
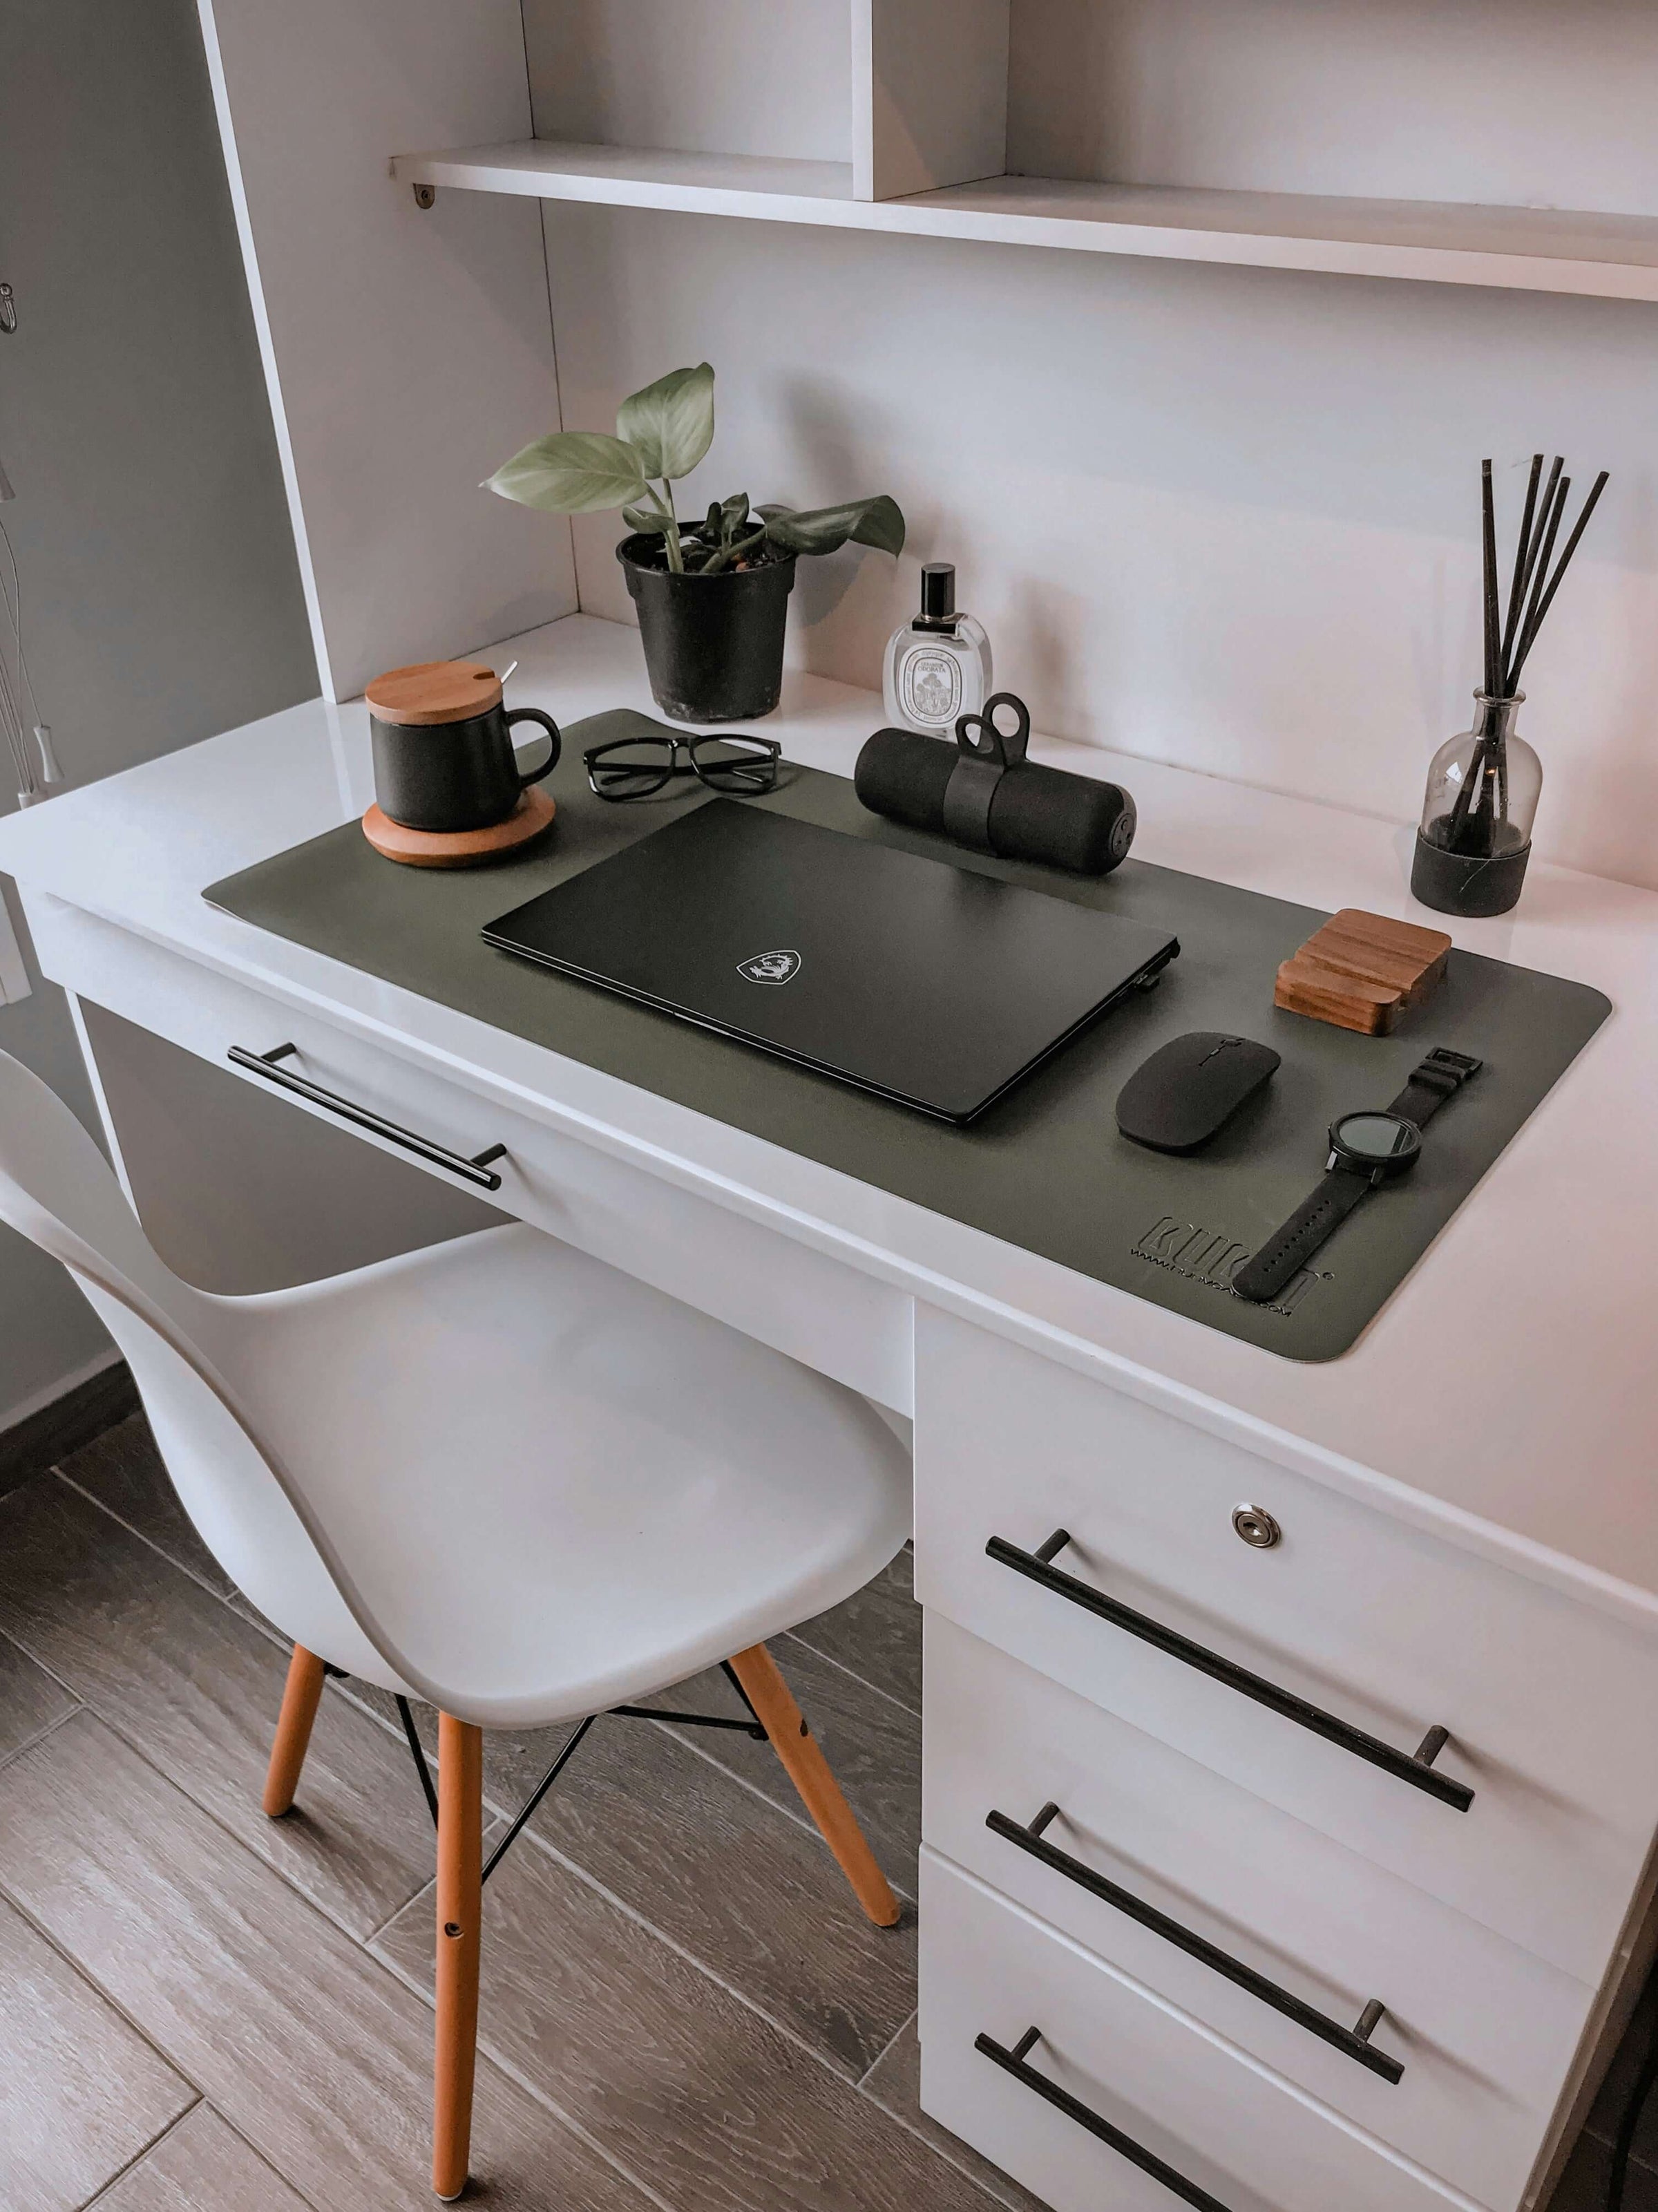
[{"x": 938, "y": 667}]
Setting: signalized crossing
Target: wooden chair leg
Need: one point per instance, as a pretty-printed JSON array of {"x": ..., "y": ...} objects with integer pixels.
[
  {"x": 809, "y": 1771},
  {"x": 460, "y": 1907},
  {"x": 300, "y": 1701}
]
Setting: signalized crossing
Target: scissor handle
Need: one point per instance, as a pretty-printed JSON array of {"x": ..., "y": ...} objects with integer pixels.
[{"x": 980, "y": 738}]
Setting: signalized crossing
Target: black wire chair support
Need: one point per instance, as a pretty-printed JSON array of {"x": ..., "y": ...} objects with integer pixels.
[{"x": 754, "y": 1726}]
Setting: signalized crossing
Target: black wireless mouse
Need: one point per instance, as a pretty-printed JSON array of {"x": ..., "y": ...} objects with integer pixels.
[{"x": 1178, "y": 1099}]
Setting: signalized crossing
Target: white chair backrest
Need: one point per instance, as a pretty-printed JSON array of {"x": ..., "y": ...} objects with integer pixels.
[{"x": 57, "y": 1187}]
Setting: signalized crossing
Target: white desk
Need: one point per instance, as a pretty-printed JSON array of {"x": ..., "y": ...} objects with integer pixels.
[{"x": 1468, "y": 1534}]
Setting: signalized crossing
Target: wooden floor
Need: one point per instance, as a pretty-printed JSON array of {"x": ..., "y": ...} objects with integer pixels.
[{"x": 202, "y": 2010}]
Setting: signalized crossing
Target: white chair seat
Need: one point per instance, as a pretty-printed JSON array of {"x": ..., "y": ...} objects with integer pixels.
[
  {"x": 497, "y": 1473},
  {"x": 561, "y": 1488}
]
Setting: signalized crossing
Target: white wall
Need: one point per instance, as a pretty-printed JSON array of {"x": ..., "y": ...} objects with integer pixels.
[
  {"x": 161, "y": 599},
  {"x": 1526, "y": 103},
  {"x": 700, "y": 76},
  {"x": 1225, "y": 518}
]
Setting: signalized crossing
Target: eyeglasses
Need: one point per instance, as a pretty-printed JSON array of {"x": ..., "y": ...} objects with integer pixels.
[{"x": 634, "y": 768}]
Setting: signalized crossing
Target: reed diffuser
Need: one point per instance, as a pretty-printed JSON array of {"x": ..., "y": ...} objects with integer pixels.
[{"x": 1474, "y": 839}]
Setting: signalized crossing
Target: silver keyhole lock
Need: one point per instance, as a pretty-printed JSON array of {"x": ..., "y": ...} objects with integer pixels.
[
  {"x": 8, "y": 310},
  {"x": 1256, "y": 1526}
]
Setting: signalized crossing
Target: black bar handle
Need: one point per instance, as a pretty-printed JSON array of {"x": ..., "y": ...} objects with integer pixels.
[
  {"x": 1014, "y": 2062},
  {"x": 475, "y": 1169},
  {"x": 1416, "y": 1769},
  {"x": 1354, "y": 2041}
]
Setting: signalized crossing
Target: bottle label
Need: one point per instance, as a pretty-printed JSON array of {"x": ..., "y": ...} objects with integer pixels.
[{"x": 930, "y": 686}]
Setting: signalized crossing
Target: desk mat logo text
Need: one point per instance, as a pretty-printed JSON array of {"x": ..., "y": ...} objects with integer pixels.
[{"x": 1212, "y": 1258}]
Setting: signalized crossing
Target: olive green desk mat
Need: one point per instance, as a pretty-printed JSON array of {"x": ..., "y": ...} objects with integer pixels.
[{"x": 1045, "y": 1169}]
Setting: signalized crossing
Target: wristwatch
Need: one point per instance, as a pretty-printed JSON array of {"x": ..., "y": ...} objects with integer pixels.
[{"x": 1365, "y": 1150}]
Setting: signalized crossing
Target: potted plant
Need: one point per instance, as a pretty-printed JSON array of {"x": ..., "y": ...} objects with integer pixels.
[{"x": 712, "y": 594}]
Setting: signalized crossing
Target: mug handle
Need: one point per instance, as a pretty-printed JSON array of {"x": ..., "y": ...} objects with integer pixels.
[{"x": 535, "y": 714}]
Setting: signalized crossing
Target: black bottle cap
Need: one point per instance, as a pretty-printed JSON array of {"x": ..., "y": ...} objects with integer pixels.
[{"x": 938, "y": 592}]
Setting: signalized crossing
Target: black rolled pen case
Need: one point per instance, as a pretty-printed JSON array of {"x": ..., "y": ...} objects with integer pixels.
[{"x": 1033, "y": 813}]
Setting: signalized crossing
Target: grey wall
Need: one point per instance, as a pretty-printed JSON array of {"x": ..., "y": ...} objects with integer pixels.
[{"x": 160, "y": 595}]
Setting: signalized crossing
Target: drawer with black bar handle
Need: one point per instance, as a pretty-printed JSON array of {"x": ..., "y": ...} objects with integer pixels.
[
  {"x": 1476, "y": 1729},
  {"x": 1439, "y": 2037},
  {"x": 1093, "y": 2092}
]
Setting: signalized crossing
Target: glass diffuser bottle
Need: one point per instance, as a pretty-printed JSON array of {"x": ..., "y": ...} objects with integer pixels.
[{"x": 1474, "y": 838}]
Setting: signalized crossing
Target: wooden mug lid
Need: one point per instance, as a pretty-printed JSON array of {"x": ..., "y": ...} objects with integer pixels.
[{"x": 432, "y": 691}]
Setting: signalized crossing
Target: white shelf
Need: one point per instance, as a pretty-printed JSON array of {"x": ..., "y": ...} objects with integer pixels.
[{"x": 1526, "y": 249}]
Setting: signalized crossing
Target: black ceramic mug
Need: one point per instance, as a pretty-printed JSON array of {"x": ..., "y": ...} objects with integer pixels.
[{"x": 443, "y": 747}]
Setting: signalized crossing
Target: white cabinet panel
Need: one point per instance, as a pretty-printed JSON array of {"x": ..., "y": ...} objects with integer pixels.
[
  {"x": 407, "y": 354},
  {"x": 1486, "y": 2033},
  {"x": 1389, "y": 1628},
  {"x": 1224, "y": 2124}
]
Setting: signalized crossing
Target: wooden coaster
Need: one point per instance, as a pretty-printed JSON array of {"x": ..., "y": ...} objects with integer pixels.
[
  {"x": 532, "y": 817},
  {"x": 1361, "y": 971}
]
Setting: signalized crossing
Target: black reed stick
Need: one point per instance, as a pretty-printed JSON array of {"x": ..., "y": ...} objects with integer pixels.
[
  {"x": 1545, "y": 507},
  {"x": 1488, "y": 550},
  {"x": 1549, "y": 528},
  {"x": 1479, "y": 762},
  {"x": 1522, "y": 546},
  {"x": 1528, "y": 636}
]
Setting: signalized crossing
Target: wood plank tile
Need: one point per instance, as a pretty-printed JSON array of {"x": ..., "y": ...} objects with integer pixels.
[
  {"x": 1583, "y": 2187},
  {"x": 201, "y": 2166},
  {"x": 704, "y": 2100},
  {"x": 30, "y": 1700},
  {"x": 306, "y": 2045},
  {"x": 1622, "y": 2077},
  {"x": 198, "y": 1689},
  {"x": 28, "y": 1448},
  {"x": 877, "y": 1632},
  {"x": 124, "y": 1471},
  {"x": 873, "y": 1746},
  {"x": 80, "y": 2092},
  {"x": 895, "y": 2086},
  {"x": 747, "y": 1891}
]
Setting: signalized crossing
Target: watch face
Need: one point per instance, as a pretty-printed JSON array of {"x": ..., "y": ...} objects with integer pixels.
[{"x": 1376, "y": 1141}]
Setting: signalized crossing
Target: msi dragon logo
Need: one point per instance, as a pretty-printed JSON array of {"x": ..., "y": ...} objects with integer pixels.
[{"x": 770, "y": 967}]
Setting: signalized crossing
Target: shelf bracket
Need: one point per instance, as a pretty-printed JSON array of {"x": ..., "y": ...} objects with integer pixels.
[{"x": 425, "y": 194}]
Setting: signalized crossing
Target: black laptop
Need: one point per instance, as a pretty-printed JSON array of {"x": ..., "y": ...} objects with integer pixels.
[{"x": 921, "y": 981}]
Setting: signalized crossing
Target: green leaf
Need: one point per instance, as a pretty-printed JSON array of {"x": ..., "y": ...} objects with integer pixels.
[
  {"x": 876, "y": 522},
  {"x": 735, "y": 511},
  {"x": 646, "y": 519},
  {"x": 881, "y": 525},
  {"x": 572, "y": 472},
  {"x": 670, "y": 422}
]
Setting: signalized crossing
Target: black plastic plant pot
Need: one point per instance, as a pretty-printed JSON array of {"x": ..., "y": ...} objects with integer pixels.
[{"x": 713, "y": 645}]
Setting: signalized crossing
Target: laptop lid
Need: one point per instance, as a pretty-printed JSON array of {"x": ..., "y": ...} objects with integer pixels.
[{"x": 924, "y": 982}]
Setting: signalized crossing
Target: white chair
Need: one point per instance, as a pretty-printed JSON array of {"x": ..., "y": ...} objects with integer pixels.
[{"x": 498, "y": 1475}]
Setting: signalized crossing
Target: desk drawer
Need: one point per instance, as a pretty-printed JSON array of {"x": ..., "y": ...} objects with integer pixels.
[
  {"x": 831, "y": 1317},
  {"x": 1486, "y": 2033},
  {"x": 1225, "y": 2126},
  {"x": 1378, "y": 1626}
]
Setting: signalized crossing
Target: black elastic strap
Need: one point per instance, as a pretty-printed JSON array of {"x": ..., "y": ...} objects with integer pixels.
[
  {"x": 1438, "y": 1078},
  {"x": 968, "y": 795},
  {"x": 1280, "y": 1259}
]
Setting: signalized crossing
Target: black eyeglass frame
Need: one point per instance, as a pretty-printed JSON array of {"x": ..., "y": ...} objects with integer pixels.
[{"x": 757, "y": 772}]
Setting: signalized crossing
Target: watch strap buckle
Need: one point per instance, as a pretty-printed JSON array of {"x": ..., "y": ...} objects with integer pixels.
[
  {"x": 1436, "y": 1077},
  {"x": 1458, "y": 1066}
]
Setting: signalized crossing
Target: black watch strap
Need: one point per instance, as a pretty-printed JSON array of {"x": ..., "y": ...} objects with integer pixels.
[
  {"x": 1288, "y": 1250},
  {"x": 1438, "y": 1078}
]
